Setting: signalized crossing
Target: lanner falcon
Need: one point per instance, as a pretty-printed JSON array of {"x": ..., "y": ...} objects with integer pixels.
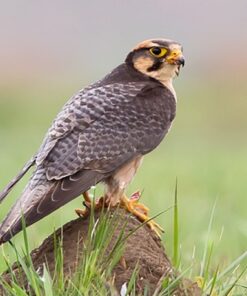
[{"x": 101, "y": 135}]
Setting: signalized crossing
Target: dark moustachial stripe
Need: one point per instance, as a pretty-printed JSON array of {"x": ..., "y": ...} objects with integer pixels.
[{"x": 156, "y": 66}]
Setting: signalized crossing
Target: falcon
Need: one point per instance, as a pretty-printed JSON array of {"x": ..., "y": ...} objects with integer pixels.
[{"x": 101, "y": 135}]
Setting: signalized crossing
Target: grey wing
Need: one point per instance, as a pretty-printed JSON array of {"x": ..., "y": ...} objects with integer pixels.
[
  {"x": 111, "y": 125},
  {"x": 77, "y": 153},
  {"x": 75, "y": 112},
  {"x": 92, "y": 137},
  {"x": 89, "y": 132}
]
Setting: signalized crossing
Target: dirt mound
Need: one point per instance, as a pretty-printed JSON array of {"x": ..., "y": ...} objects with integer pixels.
[{"x": 143, "y": 247}]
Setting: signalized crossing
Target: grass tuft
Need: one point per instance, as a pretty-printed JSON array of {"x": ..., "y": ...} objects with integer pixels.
[
  {"x": 93, "y": 275},
  {"x": 175, "y": 229}
]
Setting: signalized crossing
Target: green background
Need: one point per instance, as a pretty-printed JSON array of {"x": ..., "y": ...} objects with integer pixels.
[{"x": 47, "y": 56}]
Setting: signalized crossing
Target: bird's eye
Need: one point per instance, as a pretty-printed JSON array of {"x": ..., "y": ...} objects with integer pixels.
[{"x": 158, "y": 52}]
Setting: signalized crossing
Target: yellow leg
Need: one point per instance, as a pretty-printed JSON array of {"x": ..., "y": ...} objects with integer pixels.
[
  {"x": 140, "y": 211},
  {"x": 86, "y": 197},
  {"x": 132, "y": 205},
  {"x": 88, "y": 204},
  {"x": 134, "y": 199}
]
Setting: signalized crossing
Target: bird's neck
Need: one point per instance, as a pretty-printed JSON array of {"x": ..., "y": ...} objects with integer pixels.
[{"x": 168, "y": 83}]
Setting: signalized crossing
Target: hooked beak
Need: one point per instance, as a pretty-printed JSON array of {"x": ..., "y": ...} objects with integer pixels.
[{"x": 176, "y": 58}]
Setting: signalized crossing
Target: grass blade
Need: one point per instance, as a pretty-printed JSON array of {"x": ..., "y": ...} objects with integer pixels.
[
  {"x": 207, "y": 241},
  {"x": 214, "y": 280},
  {"x": 175, "y": 228},
  {"x": 233, "y": 265},
  {"x": 173, "y": 284},
  {"x": 225, "y": 293},
  {"x": 48, "y": 286}
]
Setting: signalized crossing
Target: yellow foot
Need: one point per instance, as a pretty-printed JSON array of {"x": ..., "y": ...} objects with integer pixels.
[
  {"x": 88, "y": 205},
  {"x": 82, "y": 212},
  {"x": 140, "y": 211}
]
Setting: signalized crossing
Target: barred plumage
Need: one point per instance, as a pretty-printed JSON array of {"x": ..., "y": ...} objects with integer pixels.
[{"x": 98, "y": 132}]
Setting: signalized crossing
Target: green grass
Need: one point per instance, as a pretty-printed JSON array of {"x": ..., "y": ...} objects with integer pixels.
[
  {"x": 94, "y": 268},
  {"x": 205, "y": 151},
  {"x": 93, "y": 275}
]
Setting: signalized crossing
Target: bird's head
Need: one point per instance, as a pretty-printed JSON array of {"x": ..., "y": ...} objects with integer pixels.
[{"x": 158, "y": 58}]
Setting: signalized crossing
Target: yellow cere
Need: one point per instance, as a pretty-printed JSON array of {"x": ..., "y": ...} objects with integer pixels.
[
  {"x": 158, "y": 52},
  {"x": 175, "y": 53}
]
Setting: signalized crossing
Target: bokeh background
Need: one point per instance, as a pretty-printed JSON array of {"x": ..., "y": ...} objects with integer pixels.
[{"x": 51, "y": 49}]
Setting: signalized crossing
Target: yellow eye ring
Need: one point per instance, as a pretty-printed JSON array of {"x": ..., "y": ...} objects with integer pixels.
[{"x": 158, "y": 52}]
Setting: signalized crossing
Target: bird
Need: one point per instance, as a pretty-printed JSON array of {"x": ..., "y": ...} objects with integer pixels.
[{"x": 101, "y": 136}]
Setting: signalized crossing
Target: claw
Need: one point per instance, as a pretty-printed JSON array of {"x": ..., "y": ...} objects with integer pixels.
[
  {"x": 141, "y": 212},
  {"x": 130, "y": 204},
  {"x": 88, "y": 205},
  {"x": 87, "y": 197},
  {"x": 82, "y": 213}
]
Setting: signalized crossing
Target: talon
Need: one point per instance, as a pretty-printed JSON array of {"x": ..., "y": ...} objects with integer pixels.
[
  {"x": 87, "y": 203},
  {"x": 155, "y": 227},
  {"x": 82, "y": 213},
  {"x": 86, "y": 197},
  {"x": 140, "y": 211}
]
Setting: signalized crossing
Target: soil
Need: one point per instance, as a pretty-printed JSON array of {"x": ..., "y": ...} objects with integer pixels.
[{"x": 143, "y": 247}]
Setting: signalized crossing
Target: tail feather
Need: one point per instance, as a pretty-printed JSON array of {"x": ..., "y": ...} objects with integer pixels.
[
  {"x": 39, "y": 201},
  {"x": 9, "y": 187}
]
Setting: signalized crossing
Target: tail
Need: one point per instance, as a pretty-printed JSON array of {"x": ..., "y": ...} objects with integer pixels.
[
  {"x": 41, "y": 197},
  {"x": 9, "y": 187}
]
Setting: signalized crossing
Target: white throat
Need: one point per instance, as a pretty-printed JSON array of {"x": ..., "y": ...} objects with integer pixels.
[
  {"x": 164, "y": 75},
  {"x": 168, "y": 83}
]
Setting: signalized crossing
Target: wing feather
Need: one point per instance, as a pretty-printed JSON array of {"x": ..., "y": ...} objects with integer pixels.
[
  {"x": 98, "y": 130},
  {"x": 96, "y": 133}
]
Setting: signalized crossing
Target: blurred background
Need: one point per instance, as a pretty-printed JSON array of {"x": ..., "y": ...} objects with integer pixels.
[{"x": 51, "y": 49}]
